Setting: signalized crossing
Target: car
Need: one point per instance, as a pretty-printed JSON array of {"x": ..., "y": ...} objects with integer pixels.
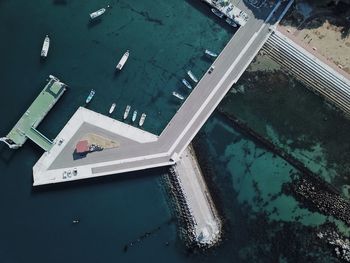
[{"x": 211, "y": 69}]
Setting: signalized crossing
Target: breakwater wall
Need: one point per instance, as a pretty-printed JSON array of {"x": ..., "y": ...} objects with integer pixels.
[
  {"x": 316, "y": 74},
  {"x": 310, "y": 189},
  {"x": 199, "y": 223}
]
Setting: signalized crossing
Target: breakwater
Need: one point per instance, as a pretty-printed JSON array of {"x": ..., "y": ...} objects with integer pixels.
[
  {"x": 199, "y": 223},
  {"x": 316, "y": 74},
  {"x": 310, "y": 189}
]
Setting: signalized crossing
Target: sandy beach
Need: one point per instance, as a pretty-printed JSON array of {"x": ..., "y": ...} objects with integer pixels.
[{"x": 322, "y": 31}]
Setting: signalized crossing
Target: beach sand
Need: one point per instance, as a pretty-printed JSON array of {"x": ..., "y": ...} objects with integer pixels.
[{"x": 320, "y": 30}]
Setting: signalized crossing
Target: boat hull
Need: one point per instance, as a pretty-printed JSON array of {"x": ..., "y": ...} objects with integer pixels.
[
  {"x": 112, "y": 108},
  {"x": 97, "y": 13},
  {"x": 187, "y": 84},
  {"x": 46, "y": 46},
  {"x": 126, "y": 112},
  {"x": 122, "y": 61},
  {"x": 142, "y": 119}
]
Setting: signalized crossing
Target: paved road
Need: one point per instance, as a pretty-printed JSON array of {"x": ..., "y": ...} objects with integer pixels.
[{"x": 197, "y": 108}]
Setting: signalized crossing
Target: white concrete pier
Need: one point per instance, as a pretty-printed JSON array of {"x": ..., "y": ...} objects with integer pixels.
[
  {"x": 207, "y": 223},
  {"x": 141, "y": 150}
]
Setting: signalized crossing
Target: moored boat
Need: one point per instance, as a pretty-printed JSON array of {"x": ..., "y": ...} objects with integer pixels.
[
  {"x": 187, "y": 84},
  {"x": 123, "y": 60},
  {"x": 97, "y": 13},
  {"x": 112, "y": 108},
  {"x": 134, "y": 115},
  {"x": 231, "y": 22},
  {"x": 177, "y": 95},
  {"x": 91, "y": 95},
  {"x": 210, "y": 53},
  {"x": 142, "y": 119},
  {"x": 126, "y": 112},
  {"x": 217, "y": 12},
  {"x": 46, "y": 46},
  {"x": 192, "y": 76}
]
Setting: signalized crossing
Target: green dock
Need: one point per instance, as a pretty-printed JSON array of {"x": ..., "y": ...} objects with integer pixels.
[{"x": 26, "y": 126}]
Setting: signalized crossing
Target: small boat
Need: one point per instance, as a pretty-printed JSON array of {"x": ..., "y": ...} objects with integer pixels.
[
  {"x": 186, "y": 83},
  {"x": 97, "y": 13},
  {"x": 123, "y": 60},
  {"x": 89, "y": 98},
  {"x": 126, "y": 112},
  {"x": 134, "y": 115},
  {"x": 177, "y": 95},
  {"x": 142, "y": 119},
  {"x": 112, "y": 108},
  {"x": 217, "y": 12},
  {"x": 231, "y": 22},
  {"x": 75, "y": 221},
  {"x": 192, "y": 76},
  {"x": 210, "y": 53},
  {"x": 46, "y": 46}
]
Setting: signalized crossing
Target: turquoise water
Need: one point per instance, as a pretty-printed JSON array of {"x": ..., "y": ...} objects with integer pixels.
[{"x": 165, "y": 38}]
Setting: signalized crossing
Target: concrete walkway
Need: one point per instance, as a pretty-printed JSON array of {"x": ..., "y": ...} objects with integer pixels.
[{"x": 167, "y": 148}]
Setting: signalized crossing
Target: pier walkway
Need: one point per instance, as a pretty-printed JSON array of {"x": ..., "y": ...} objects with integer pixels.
[
  {"x": 26, "y": 126},
  {"x": 141, "y": 150}
]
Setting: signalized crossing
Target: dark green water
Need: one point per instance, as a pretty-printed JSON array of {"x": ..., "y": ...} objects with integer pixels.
[{"x": 165, "y": 38}]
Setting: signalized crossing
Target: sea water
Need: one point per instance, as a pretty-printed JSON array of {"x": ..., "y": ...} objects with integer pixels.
[{"x": 127, "y": 218}]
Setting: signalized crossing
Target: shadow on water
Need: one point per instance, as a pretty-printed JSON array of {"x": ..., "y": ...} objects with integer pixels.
[
  {"x": 92, "y": 182},
  {"x": 93, "y": 23},
  {"x": 6, "y": 154}
]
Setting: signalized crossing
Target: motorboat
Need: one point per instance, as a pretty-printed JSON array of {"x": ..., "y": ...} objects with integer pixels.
[
  {"x": 91, "y": 95},
  {"x": 177, "y": 95},
  {"x": 123, "y": 60},
  {"x": 210, "y": 53},
  {"x": 231, "y": 22},
  {"x": 186, "y": 83},
  {"x": 192, "y": 76},
  {"x": 142, "y": 119},
  {"x": 126, "y": 112},
  {"x": 134, "y": 115},
  {"x": 217, "y": 13},
  {"x": 46, "y": 46},
  {"x": 97, "y": 13},
  {"x": 112, "y": 108}
]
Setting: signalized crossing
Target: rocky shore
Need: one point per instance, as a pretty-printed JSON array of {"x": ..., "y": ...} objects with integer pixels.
[
  {"x": 199, "y": 223},
  {"x": 339, "y": 243},
  {"x": 318, "y": 197}
]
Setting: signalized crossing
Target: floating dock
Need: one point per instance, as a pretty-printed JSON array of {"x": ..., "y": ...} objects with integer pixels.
[{"x": 26, "y": 126}]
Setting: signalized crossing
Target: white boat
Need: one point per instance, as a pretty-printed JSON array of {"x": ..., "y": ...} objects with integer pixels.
[
  {"x": 134, "y": 115},
  {"x": 46, "y": 46},
  {"x": 97, "y": 13},
  {"x": 123, "y": 60},
  {"x": 126, "y": 112},
  {"x": 112, "y": 107},
  {"x": 177, "y": 95},
  {"x": 192, "y": 76},
  {"x": 231, "y": 22},
  {"x": 142, "y": 119},
  {"x": 210, "y": 53},
  {"x": 217, "y": 12},
  {"x": 187, "y": 84},
  {"x": 91, "y": 95}
]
